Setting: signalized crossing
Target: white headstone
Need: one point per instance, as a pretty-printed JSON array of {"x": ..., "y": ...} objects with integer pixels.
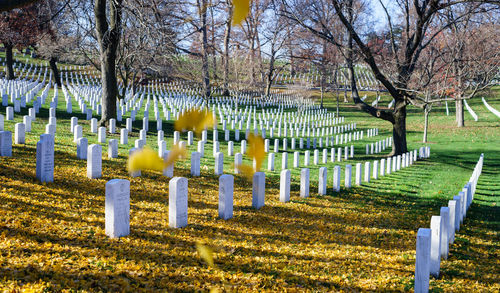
[
  {"x": 9, "y": 113},
  {"x": 169, "y": 170},
  {"x": 322, "y": 180},
  {"x": 81, "y": 148},
  {"x": 226, "y": 187},
  {"x": 74, "y": 122},
  {"x": 270, "y": 161},
  {"x": 94, "y": 161},
  {"x": 422, "y": 260},
  {"x": 26, "y": 121},
  {"x": 284, "y": 161},
  {"x": 178, "y": 202},
  {"x": 195, "y": 163},
  {"x": 336, "y": 178},
  {"x": 117, "y": 208},
  {"x": 452, "y": 204},
  {"x": 219, "y": 163},
  {"x": 359, "y": 172},
  {"x": 112, "y": 125},
  {"x": 436, "y": 225},
  {"x": 238, "y": 158},
  {"x": 112, "y": 148},
  {"x": 444, "y": 213},
  {"x": 285, "y": 177},
  {"x": 123, "y": 136},
  {"x": 258, "y": 189},
  {"x": 101, "y": 136},
  {"x": 367, "y": 171},
  {"x": 19, "y": 134},
  {"x": 304, "y": 182},
  {"x": 45, "y": 158},
  {"x": 93, "y": 125},
  {"x": 348, "y": 176}
]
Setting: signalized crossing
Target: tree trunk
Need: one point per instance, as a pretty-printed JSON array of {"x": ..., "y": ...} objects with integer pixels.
[
  {"x": 202, "y": 8},
  {"x": 426, "y": 123},
  {"x": 321, "y": 92},
  {"x": 9, "y": 62},
  {"x": 270, "y": 72},
  {"x": 399, "y": 129},
  {"x": 109, "y": 87},
  {"x": 213, "y": 51},
  {"x": 108, "y": 36},
  {"x": 338, "y": 100},
  {"x": 459, "y": 106},
  {"x": 350, "y": 56},
  {"x": 227, "y": 38},
  {"x": 55, "y": 71}
]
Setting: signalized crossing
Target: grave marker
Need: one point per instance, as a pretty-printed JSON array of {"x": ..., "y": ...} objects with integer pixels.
[
  {"x": 226, "y": 186},
  {"x": 285, "y": 177},
  {"x": 94, "y": 161},
  {"x": 45, "y": 158},
  {"x": 258, "y": 189},
  {"x": 304, "y": 182},
  {"x": 117, "y": 208},
  {"x": 178, "y": 202}
]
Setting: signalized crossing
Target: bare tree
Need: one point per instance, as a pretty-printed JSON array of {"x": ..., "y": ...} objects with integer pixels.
[
  {"x": 108, "y": 32},
  {"x": 416, "y": 19}
]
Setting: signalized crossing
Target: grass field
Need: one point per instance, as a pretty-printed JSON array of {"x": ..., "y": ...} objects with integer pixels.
[{"x": 362, "y": 239}]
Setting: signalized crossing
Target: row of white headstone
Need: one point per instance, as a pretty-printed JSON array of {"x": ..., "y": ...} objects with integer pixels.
[
  {"x": 433, "y": 244},
  {"x": 117, "y": 203},
  {"x": 378, "y": 146}
]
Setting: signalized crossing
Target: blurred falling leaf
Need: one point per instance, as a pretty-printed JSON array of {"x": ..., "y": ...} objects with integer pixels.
[
  {"x": 145, "y": 159},
  {"x": 241, "y": 9},
  {"x": 256, "y": 150},
  {"x": 246, "y": 170},
  {"x": 206, "y": 253},
  {"x": 176, "y": 153},
  {"x": 195, "y": 120}
]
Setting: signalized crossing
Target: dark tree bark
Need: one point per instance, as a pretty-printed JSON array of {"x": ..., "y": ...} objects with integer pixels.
[
  {"x": 55, "y": 71},
  {"x": 399, "y": 128},
  {"x": 270, "y": 71},
  {"x": 108, "y": 36},
  {"x": 227, "y": 38},
  {"x": 202, "y": 10},
  {"x": 9, "y": 62}
]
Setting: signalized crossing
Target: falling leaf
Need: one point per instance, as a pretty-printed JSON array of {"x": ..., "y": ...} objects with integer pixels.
[
  {"x": 256, "y": 150},
  {"x": 195, "y": 120},
  {"x": 176, "y": 153},
  {"x": 241, "y": 10},
  {"x": 246, "y": 170},
  {"x": 206, "y": 253},
  {"x": 145, "y": 159}
]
